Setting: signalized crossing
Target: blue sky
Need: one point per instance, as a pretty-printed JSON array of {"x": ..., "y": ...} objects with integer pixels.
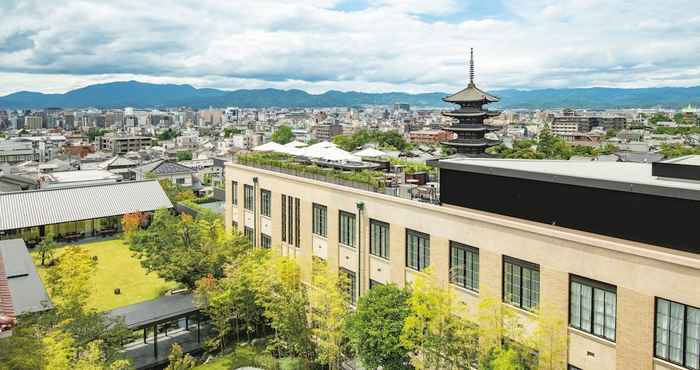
[{"x": 364, "y": 45}]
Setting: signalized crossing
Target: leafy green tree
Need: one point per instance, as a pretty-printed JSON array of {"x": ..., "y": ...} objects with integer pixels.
[
  {"x": 677, "y": 150},
  {"x": 658, "y": 117},
  {"x": 329, "y": 311},
  {"x": 375, "y": 329},
  {"x": 231, "y": 302},
  {"x": 184, "y": 155},
  {"x": 435, "y": 332},
  {"x": 93, "y": 133},
  {"x": 550, "y": 338},
  {"x": 47, "y": 248},
  {"x": 183, "y": 249},
  {"x": 178, "y": 360},
  {"x": 230, "y": 131},
  {"x": 283, "y": 135},
  {"x": 345, "y": 142},
  {"x": 281, "y": 294},
  {"x": 168, "y": 134}
]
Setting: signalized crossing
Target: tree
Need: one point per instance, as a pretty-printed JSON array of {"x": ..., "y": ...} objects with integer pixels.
[
  {"x": 375, "y": 329},
  {"x": 184, "y": 155},
  {"x": 230, "y": 131},
  {"x": 179, "y": 360},
  {"x": 47, "y": 248},
  {"x": 69, "y": 281},
  {"x": 168, "y": 134},
  {"x": 176, "y": 193},
  {"x": 185, "y": 249},
  {"x": 550, "y": 338},
  {"x": 283, "y": 135},
  {"x": 132, "y": 221},
  {"x": 230, "y": 302},
  {"x": 435, "y": 332},
  {"x": 282, "y": 296},
  {"x": 328, "y": 314}
]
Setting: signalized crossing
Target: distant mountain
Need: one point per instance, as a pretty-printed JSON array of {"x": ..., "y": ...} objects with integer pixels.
[{"x": 142, "y": 95}]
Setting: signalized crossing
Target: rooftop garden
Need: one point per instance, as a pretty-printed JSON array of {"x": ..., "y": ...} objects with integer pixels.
[{"x": 283, "y": 161}]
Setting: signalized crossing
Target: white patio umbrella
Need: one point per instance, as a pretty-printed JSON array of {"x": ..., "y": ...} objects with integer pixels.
[
  {"x": 295, "y": 144},
  {"x": 339, "y": 155},
  {"x": 370, "y": 152}
]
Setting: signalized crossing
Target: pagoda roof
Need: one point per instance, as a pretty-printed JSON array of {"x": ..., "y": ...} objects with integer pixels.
[
  {"x": 471, "y": 94},
  {"x": 471, "y": 142},
  {"x": 481, "y": 113},
  {"x": 470, "y": 127}
]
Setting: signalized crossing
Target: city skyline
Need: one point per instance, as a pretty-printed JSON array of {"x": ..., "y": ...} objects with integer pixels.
[{"x": 372, "y": 45}]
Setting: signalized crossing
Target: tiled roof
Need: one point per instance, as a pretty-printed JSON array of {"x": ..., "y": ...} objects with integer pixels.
[
  {"x": 471, "y": 94},
  {"x": 162, "y": 168},
  {"x": 7, "y": 313},
  {"x": 53, "y": 206}
]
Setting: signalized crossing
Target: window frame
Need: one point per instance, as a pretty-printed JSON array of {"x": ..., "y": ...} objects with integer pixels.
[
  {"x": 249, "y": 197},
  {"x": 684, "y": 333},
  {"x": 234, "y": 193},
  {"x": 421, "y": 257},
  {"x": 594, "y": 285},
  {"x": 265, "y": 203},
  {"x": 319, "y": 215},
  {"x": 265, "y": 241},
  {"x": 385, "y": 250},
  {"x": 473, "y": 270},
  {"x": 284, "y": 218},
  {"x": 533, "y": 267},
  {"x": 352, "y": 284},
  {"x": 249, "y": 233},
  {"x": 352, "y": 231}
]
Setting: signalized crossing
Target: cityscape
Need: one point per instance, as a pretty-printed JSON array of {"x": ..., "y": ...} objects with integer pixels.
[{"x": 266, "y": 195}]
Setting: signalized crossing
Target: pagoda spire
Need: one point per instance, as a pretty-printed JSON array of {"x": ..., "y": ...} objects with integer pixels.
[{"x": 471, "y": 66}]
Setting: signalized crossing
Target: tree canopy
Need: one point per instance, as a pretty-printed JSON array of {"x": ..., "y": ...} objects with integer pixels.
[
  {"x": 390, "y": 140},
  {"x": 375, "y": 329},
  {"x": 184, "y": 249},
  {"x": 283, "y": 135}
]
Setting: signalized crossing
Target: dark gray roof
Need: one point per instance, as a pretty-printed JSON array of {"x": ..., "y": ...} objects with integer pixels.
[
  {"x": 471, "y": 94},
  {"x": 52, "y": 206},
  {"x": 619, "y": 176},
  {"x": 164, "y": 168},
  {"x": 155, "y": 311},
  {"x": 28, "y": 292}
]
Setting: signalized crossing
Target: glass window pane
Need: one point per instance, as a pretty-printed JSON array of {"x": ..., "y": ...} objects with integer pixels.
[
  {"x": 610, "y": 313},
  {"x": 598, "y": 311},
  {"x": 575, "y": 305},
  {"x": 676, "y": 333},
  {"x": 663, "y": 316},
  {"x": 692, "y": 338},
  {"x": 586, "y": 308}
]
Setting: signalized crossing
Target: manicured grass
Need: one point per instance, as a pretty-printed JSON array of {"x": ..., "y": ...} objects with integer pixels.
[
  {"x": 240, "y": 357},
  {"x": 116, "y": 268}
]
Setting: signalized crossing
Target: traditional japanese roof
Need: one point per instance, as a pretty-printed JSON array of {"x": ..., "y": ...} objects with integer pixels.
[
  {"x": 164, "y": 168},
  {"x": 52, "y": 206},
  {"x": 117, "y": 162},
  {"x": 27, "y": 292},
  {"x": 471, "y": 94}
]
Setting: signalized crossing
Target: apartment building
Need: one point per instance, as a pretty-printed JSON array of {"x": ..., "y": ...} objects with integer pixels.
[
  {"x": 124, "y": 144},
  {"x": 430, "y": 137},
  {"x": 611, "y": 246}
]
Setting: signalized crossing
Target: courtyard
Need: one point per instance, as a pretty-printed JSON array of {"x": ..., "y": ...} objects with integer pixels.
[{"x": 117, "y": 268}]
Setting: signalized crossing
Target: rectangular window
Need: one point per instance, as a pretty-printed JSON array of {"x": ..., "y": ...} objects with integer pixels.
[
  {"x": 297, "y": 222},
  {"x": 320, "y": 220},
  {"x": 349, "y": 284},
  {"x": 265, "y": 241},
  {"x": 250, "y": 234},
  {"x": 677, "y": 336},
  {"x": 265, "y": 203},
  {"x": 347, "y": 228},
  {"x": 284, "y": 218},
  {"x": 248, "y": 198},
  {"x": 180, "y": 181},
  {"x": 379, "y": 238},
  {"x": 235, "y": 226},
  {"x": 521, "y": 283},
  {"x": 464, "y": 266},
  {"x": 593, "y": 307},
  {"x": 234, "y": 193},
  {"x": 417, "y": 250}
]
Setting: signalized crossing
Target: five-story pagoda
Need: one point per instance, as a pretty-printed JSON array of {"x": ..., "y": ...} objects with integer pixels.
[{"x": 470, "y": 127}]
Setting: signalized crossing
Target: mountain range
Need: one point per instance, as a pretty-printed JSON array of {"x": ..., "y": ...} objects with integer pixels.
[{"x": 144, "y": 95}]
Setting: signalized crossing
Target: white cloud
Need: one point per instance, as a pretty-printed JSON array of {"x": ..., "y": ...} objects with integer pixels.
[{"x": 389, "y": 45}]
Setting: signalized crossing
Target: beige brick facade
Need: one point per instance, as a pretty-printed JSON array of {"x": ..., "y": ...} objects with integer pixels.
[{"x": 640, "y": 272}]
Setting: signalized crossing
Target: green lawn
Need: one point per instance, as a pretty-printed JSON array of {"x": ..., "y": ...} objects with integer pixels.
[
  {"x": 240, "y": 357},
  {"x": 116, "y": 268}
]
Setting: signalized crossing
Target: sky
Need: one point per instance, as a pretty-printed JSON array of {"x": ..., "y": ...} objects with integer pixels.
[{"x": 361, "y": 45}]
